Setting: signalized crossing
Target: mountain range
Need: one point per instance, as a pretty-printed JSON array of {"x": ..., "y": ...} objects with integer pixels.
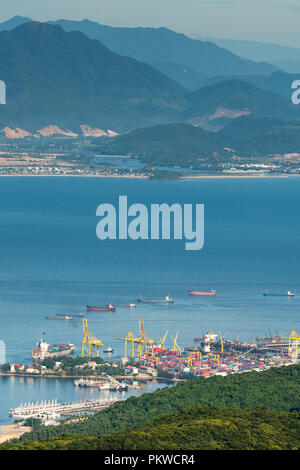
[
  {"x": 163, "y": 48},
  {"x": 65, "y": 79},
  {"x": 284, "y": 57},
  {"x": 68, "y": 79}
]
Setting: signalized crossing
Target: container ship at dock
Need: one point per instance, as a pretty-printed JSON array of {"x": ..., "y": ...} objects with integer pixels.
[{"x": 45, "y": 350}]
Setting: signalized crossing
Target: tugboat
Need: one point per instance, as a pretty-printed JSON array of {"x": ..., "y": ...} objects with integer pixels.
[{"x": 166, "y": 300}]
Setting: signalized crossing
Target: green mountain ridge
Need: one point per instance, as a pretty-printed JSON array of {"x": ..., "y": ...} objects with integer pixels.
[
  {"x": 276, "y": 388},
  {"x": 191, "y": 429}
]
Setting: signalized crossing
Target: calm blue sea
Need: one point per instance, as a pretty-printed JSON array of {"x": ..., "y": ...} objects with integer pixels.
[{"x": 51, "y": 261}]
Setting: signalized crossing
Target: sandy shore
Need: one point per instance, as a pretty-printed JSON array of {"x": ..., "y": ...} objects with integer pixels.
[
  {"x": 75, "y": 176},
  {"x": 235, "y": 176},
  {"x": 12, "y": 431}
]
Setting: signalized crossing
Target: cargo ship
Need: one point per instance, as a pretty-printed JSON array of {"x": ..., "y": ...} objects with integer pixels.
[
  {"x": 288, "y": 294},
  {"x": 100, "y": 384},
  {"x": 201, "y": 292},
  {"x": 70, "y": 314},
  {"x": 65, "y": 317},
  {"x": 108, "y": 308},
  {"x": 166, "y": 300},
  {"x": 45, "y": 350}
]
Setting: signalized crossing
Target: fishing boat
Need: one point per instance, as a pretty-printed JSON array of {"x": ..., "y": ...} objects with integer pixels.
[
  {"x": 200, "y": 292},
  {"x": 288, "y": 294},
  {"x": 166, "y": 300},
  {"x": 108, "y": 308}
]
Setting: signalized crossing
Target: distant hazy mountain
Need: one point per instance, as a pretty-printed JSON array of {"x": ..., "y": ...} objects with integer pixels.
[
  {"x": 290, "y": 66},
  {"x": 186, "y": 76},
  {"x": 67, "y": 79},
  {"x": 255, "y": 50},
  {"x": 267, "y": 135},
  {"x": 185, "y": 145},
  {"x": 232, "y": 99},
  {"x": 286, "y": 58},
  {"x": 13, "y": 23},
  {"x": 161, "y": 45},
  {"x": 174, "y": 144},
  {"x": 278, "y": 82}
]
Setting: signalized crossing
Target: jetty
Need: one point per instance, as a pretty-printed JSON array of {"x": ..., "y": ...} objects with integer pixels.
[{"x": 54, "y": 408}]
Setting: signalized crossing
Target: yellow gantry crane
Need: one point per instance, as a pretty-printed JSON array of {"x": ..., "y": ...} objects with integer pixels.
[
  {"x": 145, "y": 339},
  {"x": 175, "y": 344},
  {"x": 222, "y": 343},
  {"x": 133, "y": 340},
  {"x": 294, "y": 340},
  {"x": 162, "y": 340},
  {"x": 90, "y": 344},
  {"x": 138, "y": 341},
  {"x": 213, "y": 358}
]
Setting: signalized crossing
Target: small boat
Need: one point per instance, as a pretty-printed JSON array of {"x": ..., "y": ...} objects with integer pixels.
[
  {"x": 105, "y": 386},
  {"x": 166, "y": 300},
  {"x": 288, "y": 294},
  {"x": 108, "y": 308},
  {"x": 200, "y": 292},
  {"x": 108, "y": 350},
  {"x": 122, "y": 387}
]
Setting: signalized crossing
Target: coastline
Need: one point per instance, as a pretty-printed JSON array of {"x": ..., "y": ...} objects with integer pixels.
[
  {"x": 144, "y": 177},
  {"x": 123, "y": 377}
]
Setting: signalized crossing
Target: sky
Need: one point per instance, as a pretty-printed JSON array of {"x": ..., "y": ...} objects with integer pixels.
[{"x": 262, "y": 20}]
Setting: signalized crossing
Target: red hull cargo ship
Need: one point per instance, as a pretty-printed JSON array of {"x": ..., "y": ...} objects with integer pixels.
[
  {"x": 200, "y": 292},
  {"x": 109, "y": 308}
]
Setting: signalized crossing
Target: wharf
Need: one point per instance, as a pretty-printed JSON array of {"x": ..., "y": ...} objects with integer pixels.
[{"x": 35, "y": 410}]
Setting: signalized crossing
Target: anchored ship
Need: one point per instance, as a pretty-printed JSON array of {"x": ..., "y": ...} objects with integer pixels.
[
  {"x": 200, "y": 292},
  {"x": 288, "y": 294},
  {"x": 45, "y": 350},
  {"x": 166, "y": 300},
  {"x": 108, "y": 308}
]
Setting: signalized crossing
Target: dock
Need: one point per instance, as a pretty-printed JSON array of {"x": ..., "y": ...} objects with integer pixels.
[{"x": 54, "y": 408}]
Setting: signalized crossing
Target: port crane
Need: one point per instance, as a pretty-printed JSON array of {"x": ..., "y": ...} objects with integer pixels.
[
  {"x": 294, "y": 340},
  {"x": 128, "y": 339},
  {"x": 145, "y": 339},
  {"x": 162, "y": 340},
  {"x": 138, "y": 341},
  {"x": 175, "y": 344},
  {"x": 90, "y": 344}
]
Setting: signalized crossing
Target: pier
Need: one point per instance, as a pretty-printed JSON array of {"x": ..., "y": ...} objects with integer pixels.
[{"x": 54, "y": 408}]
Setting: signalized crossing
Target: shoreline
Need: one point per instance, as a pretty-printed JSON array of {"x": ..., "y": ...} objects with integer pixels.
[
  {"x": 72, "y": 377},
  {"x": 144, "y": 177}
]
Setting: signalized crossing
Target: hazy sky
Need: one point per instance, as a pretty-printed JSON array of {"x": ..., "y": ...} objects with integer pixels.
[{"x": 263, "y": 20}]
